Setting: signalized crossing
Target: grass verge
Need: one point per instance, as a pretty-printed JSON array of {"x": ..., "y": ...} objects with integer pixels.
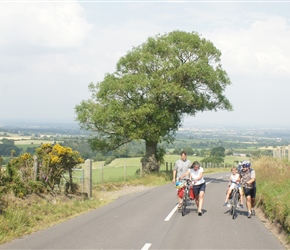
[{"x": 273, "y": 185}]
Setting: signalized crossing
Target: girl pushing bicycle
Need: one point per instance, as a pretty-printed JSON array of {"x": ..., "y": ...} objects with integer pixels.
[{"x": 199, "y": 185}]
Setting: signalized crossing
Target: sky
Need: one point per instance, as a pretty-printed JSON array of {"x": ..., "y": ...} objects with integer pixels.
[{"x": 50, "y": 51}]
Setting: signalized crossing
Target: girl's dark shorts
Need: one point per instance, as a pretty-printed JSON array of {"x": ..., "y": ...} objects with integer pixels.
[
  {"x": 250, "y": 192},
  {"x": 198, "y": 188}
]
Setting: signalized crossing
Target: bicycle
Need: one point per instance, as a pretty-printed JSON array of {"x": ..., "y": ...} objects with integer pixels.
[
  {"x": 233, "y": 201},
  {"x": 187, "y": 184}
]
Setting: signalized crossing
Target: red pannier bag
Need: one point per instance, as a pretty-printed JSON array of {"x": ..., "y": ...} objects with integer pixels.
[
  {"x": 191, "y": 193},
  {"x": 181, "y": 192}
]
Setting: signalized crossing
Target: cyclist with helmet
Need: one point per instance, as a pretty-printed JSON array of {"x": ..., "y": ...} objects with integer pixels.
[
  {"x": 181, "y": 166},
  {"x": 247, "y": 178}
]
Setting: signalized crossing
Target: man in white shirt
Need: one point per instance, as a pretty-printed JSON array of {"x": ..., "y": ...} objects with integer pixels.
[{"x": 181, "y": 167}]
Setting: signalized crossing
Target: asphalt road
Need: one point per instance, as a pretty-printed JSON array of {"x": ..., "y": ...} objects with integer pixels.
[{"x": 148, "y": 220}]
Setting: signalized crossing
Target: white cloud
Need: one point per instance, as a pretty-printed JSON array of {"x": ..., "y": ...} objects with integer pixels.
[
  {"x": 262, "y": 49},
  {"x": 50, "y": 52},
  {"x": 42, "y": 25}
]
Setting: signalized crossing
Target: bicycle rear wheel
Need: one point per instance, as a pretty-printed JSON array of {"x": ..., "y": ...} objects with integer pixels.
[
  {"x": 231, "y": 211},
  {"x": 234, "y": 212}
]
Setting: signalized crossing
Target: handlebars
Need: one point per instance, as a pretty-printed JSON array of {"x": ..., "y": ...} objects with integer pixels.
[{"x": 187, "y": 181}]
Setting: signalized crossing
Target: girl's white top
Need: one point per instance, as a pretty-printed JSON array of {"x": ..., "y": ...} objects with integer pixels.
[
  {"x": 196, "y": 174},
  {"x": 234, "y": 178}
]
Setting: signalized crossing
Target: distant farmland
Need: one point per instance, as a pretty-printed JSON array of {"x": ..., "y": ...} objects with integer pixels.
[{"x": 26, "y": 140}]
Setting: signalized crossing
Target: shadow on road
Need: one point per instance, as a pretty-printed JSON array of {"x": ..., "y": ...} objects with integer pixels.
[{"x": 238, "y": 213}]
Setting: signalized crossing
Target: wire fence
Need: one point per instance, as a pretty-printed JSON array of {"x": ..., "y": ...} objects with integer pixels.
[
  {"x": 78, "y": 177},
  {"x": 123, "y": 173}
]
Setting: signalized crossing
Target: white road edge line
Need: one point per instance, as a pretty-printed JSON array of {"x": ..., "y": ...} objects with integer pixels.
[{"x": 146, "y": 246}]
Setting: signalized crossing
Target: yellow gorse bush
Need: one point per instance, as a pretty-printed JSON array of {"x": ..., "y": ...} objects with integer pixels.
[
  {"x": 60, "y": 150},
  {"x": 25, "y": 157},
  {"x": 55, "y": 161}
]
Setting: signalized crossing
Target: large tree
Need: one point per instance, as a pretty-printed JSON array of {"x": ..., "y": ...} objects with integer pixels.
[
  {"x": 218, "y": 151},
  {"x": 153, "y": 87}
]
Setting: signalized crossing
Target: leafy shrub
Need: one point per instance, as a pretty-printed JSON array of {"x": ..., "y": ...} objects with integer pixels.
[{"x": 53, "y": 161}]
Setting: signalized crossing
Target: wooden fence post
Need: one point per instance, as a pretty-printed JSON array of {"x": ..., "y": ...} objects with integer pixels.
[
  {"x": 88, "y": 177},
  {"x": 102, "y": 173},
  {"x": 35, "y": 167},
  {"x": 141, "y": 170}
]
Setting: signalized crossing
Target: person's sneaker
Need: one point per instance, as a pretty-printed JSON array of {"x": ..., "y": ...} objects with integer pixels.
[
  {"x": 241, "y": 206},
  {"x": 179, "y": 206},
  {"x": 249, "y": 215},
  {"x": 253, "y": 212},
  {"x": 225, "y": 204}
]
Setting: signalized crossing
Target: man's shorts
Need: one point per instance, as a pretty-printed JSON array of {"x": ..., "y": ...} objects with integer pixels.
[
  {"x": 250, "y": 192},
  {"x": 198, "y": 188}
]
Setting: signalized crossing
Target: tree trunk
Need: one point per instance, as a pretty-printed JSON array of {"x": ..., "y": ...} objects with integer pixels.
[{"x": 149, "y": 162}]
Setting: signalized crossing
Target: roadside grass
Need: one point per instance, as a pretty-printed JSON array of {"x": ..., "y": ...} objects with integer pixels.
[
  {"x": 35, "y": 213},
  {"x": 273, "y": 185}
]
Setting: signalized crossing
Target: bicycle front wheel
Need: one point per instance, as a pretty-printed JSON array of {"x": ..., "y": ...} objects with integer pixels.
[
  {"x": 234, "y": 206},
  {"x": 184, "y": 203}
]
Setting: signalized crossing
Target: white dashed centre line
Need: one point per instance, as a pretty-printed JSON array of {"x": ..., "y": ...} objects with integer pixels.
[
  {"x": 146, "y": 246},
  {"x": 171, "y": 213}
]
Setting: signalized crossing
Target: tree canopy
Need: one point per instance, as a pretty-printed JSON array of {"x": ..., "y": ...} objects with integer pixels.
[
  {"x": 153, "y": 87},
  {"x": 218, "y": 151}
]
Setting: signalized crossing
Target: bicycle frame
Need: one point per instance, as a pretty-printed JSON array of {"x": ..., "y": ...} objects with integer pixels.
[{"x": 185, "y": 196}]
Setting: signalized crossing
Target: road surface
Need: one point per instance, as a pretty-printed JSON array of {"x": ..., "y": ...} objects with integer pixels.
[{"x": 149, "y": 220}]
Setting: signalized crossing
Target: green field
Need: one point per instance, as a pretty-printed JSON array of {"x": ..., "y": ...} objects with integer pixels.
[
  {"x": 121, "y": 162},
  {"x": 123, "y": 168}
]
